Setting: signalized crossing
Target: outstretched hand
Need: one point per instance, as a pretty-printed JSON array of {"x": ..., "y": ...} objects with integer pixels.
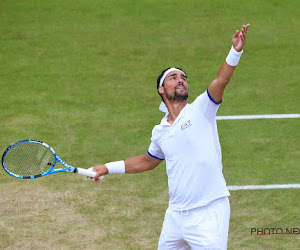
[
  {"x": 239, "y": 38},
  {"x": 100, "y": 170}
]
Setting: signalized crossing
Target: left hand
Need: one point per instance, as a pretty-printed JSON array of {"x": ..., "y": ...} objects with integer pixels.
[{"x": 239, "y": 38}]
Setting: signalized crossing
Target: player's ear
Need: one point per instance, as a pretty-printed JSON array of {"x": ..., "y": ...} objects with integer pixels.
[{"x": 161, "y": 90}]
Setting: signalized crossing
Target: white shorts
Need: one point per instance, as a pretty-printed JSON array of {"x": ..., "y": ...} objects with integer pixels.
[{"x": 200, "y": 228}]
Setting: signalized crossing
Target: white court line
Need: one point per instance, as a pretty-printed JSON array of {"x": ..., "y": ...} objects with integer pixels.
[
  {"x": 253, "y": 187},
  {"x": 245, "y": 117}
]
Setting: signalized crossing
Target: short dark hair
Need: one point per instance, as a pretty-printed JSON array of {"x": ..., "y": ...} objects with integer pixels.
[{"x": 160, "y": 76}]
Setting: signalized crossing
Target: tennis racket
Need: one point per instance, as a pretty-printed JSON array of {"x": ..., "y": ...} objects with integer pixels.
[{"x": 30, "y": 159}]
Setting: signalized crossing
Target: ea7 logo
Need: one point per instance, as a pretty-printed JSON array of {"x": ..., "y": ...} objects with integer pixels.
[{"x": 186, "y": 125}]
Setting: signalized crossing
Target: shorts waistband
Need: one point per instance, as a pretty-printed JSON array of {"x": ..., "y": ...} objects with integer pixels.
[{"x": 187, "y": 211}]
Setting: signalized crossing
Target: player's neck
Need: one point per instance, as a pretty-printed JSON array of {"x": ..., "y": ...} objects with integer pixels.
[{"x": 174, "y": 109}]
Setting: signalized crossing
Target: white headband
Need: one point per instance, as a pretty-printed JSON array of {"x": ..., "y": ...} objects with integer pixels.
[{"x": 161, "y": 82}]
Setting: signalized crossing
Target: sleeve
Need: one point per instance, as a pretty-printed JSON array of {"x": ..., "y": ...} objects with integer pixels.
[
  {"x": 207, "y": 106},
  {"x": 154, "y": 149}
]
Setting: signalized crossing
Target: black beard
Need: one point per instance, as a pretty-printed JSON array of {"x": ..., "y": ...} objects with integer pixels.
[{"x": 177, "y": 97}]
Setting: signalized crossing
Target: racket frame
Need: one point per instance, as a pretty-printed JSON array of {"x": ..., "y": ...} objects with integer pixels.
[{"x": 51, "y": 170}]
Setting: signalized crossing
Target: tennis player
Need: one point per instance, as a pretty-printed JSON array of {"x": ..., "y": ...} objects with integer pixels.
[{"x": 198, "y": 213}]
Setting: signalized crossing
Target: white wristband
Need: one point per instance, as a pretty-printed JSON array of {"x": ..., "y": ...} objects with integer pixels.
[
  {"x": 115, "y": 167},
  {"x": 233, "y": 57}
]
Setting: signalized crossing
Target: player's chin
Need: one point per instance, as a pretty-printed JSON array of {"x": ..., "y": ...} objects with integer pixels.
[{"x": 182, "y": 95}]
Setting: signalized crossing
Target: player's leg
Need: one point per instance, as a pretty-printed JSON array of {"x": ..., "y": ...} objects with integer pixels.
[
  {"x": 207, "y": 227},
  {"x": 171, "y": 236}
]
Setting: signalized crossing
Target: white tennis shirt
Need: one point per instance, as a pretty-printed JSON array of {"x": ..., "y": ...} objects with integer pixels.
[{"x": 193, "y": 156}]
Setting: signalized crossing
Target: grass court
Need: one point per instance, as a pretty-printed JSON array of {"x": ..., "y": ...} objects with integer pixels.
[{"x": 81, "y": 76}]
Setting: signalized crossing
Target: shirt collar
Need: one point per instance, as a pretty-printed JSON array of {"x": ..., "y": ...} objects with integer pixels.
[{"x": 164, "y": 121}]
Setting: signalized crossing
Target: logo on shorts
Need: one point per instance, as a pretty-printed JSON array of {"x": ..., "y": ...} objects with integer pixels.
[{"x": 186, "y": 125}]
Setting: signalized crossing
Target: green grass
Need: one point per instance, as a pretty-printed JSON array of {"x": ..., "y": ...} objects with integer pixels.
[{"x": 81, "y": 76}]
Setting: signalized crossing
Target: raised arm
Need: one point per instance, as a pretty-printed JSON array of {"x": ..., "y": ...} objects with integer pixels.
[
  {"x": 218, "y": 85},
  {"x": 133, "y": 165}
]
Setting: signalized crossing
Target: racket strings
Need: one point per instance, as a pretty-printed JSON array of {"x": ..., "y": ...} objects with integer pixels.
[{"x": 29, "y": 159}]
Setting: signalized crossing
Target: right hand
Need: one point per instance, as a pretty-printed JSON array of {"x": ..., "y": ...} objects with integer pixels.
[{"x": 100, "y": 170}]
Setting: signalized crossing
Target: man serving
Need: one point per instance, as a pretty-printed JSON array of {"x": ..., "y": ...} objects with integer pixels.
[{"x": 187, "y": 138}]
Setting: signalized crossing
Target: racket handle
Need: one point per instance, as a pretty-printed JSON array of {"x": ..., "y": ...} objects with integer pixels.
[{"x": 87, "y": 172}]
